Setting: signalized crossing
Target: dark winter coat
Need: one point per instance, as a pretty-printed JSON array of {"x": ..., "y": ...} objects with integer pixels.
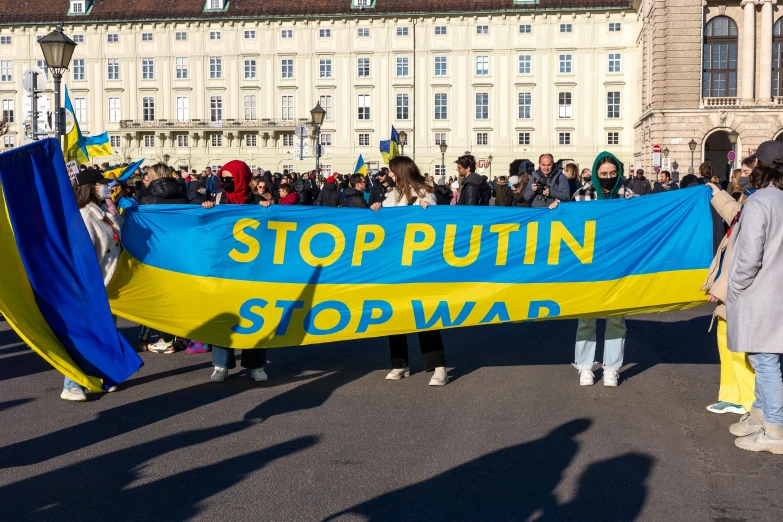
[
  {"x": 329, "y": 196},
  {"x": 504, "y": 196},
  {"x": 354, "y": 199},
  {"x": 640, "y": 187},
  {"x": 443, "y": 195},
  {"x": 558, "y": 189},
  {"x": 165, "y": 191},
  {"x": 470, "y": 192}
]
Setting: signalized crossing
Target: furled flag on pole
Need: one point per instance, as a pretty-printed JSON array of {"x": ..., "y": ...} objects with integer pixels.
[
  {"x": 121, "y": 173},
  {"x": 72, "y": 142},
  {"x": 391, "y": 148},
  {"x": 361, "y": 166}
]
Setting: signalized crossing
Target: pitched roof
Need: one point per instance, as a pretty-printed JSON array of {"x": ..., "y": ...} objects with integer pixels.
[{"x": 43, "y": 11}]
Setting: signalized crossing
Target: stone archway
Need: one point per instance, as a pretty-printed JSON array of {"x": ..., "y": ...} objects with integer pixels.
[{"x": 716, "y": 149}]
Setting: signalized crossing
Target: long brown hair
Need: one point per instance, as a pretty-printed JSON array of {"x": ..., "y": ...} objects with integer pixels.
[
  {"x": 765, "y": 175},
  {"x": 408, "y": 179},
  {"x": 85, "y": 194}
]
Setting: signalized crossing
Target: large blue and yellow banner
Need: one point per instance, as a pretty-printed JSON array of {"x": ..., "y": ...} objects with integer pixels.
[{"x": 247, "y": 276}]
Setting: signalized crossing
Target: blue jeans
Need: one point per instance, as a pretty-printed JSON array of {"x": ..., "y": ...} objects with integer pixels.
[
  {"x": 252, "y": 359},
  {"x": 68, "y": 384},
  {"x": 769, "y": 385},
  {"x": 614, "y": 343}
]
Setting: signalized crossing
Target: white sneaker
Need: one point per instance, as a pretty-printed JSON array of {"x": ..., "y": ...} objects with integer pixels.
[
  {"x": 259, "y": 375},
  {"x": 440, "y": 377},
  {"x": 611, "y": 378},
  {"x": 73, "y": 394},
  {"x": 397, "y": 374},
  {"x": 219, "y": 374},
  {"x": 161, "y": 347},
  {"x": 586, "y": 378}
]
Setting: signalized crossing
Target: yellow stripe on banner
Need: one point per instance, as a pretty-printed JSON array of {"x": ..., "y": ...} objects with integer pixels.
[
  {"x": 230, "y": 313},
  {"x": 17, "y": 304}
]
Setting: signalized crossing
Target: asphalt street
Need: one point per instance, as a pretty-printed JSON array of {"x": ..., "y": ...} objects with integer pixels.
[{"x": 512, "y": 438}]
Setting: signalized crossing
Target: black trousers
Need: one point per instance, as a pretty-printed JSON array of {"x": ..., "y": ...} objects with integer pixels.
[{"x": 431, "y": 350}]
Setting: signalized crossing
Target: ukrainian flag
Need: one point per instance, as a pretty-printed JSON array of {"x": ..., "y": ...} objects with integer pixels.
[
  {"x": 98, "y": 146},
  {"x": 65, "y": 318},
  {"x": 72, "y": 142},
  {"x": 361, "y": 167},
  {"x": 391, "y": 148},
  {"x": 121, "y": 173}
]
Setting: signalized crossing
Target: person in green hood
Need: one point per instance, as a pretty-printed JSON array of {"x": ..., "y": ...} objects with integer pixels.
[{"x": 607, "y": 183}]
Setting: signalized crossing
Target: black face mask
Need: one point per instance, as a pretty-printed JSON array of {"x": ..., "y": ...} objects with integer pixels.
[
  {"x": 228, "y": 184},
  {"x": 607, "y": 183},
  {"x": 744, "y": 183}
]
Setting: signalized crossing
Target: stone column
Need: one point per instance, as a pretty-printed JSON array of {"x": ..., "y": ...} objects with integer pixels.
[
  {"x": 747, "y": 92},
  {"x": 765, "y": 52}
]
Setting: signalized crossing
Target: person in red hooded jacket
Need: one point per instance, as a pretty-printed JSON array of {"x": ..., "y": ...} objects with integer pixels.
[{"x": 235, "y": 179}]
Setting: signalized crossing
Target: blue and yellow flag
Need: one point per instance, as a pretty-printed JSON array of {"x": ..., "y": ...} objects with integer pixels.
[
  {"x": 73, "y": 142},
  {"x": 390, "y": 149},
  {"x": 122, "y": 173},
  {"x": 98, "y": 146},
  {"x": 361, "y": 167},
  {"x": 51, "y": 288}
]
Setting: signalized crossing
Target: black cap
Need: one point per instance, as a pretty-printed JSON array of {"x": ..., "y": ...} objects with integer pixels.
[
  {"x": 769, "y": 151},
  {"x": 639, "y": 171},
  {"x": 91, "y": 177}
]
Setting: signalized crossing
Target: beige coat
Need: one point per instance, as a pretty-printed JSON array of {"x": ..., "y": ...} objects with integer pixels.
[{"x": 717, "y": 284}]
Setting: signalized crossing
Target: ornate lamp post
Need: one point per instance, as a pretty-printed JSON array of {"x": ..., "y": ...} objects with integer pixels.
[
  {"x": 166, "y": 159},
  {"x": 57, "y": 50},
  {"x": 733, "y": 136},
  {"x": 443, "y": 148},
  {"x": 489, "y": 159},
  {"x": 318, "y": 114},
  {"x": 692, "y": 144},
  {"x": 403, "y": 141}
]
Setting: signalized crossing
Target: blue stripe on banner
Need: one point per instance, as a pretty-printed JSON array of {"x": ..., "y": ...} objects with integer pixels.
[
  {"x": 578, "y": 242},
  {"x": 60, "y": 262}
]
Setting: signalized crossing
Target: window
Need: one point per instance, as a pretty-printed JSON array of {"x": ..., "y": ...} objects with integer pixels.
[
  {"x": 525, "y": 29},
  {"x": 440, "y": 30},
  {"x": 182, "y": 68},
  {"x": 215, "y": 108},
  {"x": 402, "y": 106},
  {"x": 41, "y": 64},
  {"x": 215, "y": 35},
  {"x": 8, "y": 142},
  {"x": 148, "y": 108},
  {"x": 364, "y": 139},
  {"x": 78, "y": 69},
  {"x": 181, "y": 36},
  {"x": 183, "y": 108},
  {"x": 77, "y": 6},
  {"x": 112, "y": 38},
  {"x": 720, "y": 58},
  {"x": 251, "y": 107},
  {"x": 251, "y": 140},
  {"x": 482, "y": 106},
  {"x": 78, "y": 38},
  {"x": 440, "y": 170},
  {"x": 8, "y": 110},
  {"x": 482, "y": 138},
  {"x": 146, "y": 37},
  {"x": 147, "y": 69},
  {"x": 402, "y": 31},
  {"x": 523, "y": 138},
  {"x": 613, "y": 104},
  {"x": 326, "y": 170},
  {"x": 80, "y": 109},
  {"x": 287, "y": 69},
  {"x": 326, "y": 141},
  {"x": 363, "y": 32},
  {"x": 325, "y": 68},
  {"x": 115, "y": 142},
  {"x": 113, "y": 72},
  {"x": 115, "y": 114},
  {"x": 326, "y": 104},
  {"x": 288, "y": 140},
  {"x": 614, "y": 27},
  {"x": 324, "y": 33},
  {"x": 287, "y": 33},
  {"x": 564, "y": 138},
  {"x": 614, "y": 62},
  {"x": 216, "y": 4},
  {"x": 441, "y": 67},
  {"x": 402, "y": 67},
  {"x": 441, "y": 106},
  {"x": 364, "y": 67},
  {"x": 566, "y": 28},
  {"x": 250, "y": 69},
  {"x": 441, "y": 137},
  {"x": 149, "y": 141},
  {"x": 182, "y": 140},
  {"x": 777, "y": 58},
  {"x": 482, "y": 29},
  {"x": 525, "y": 105},
  {"x": 287, "y": 107},
  {"x": 565, "y": 64},
  {"x": 6, "y": 74},
  {"x": 525, "y": 61},
  {"x": 217, "y": 140},
  {"x": 250, "y": 35},
  {"x": 216, "y": 67},
  {"x": 482, "y": 65},
  {"x": 612, "y": 138},
  {"x": 564, "y": 109},
  {"x": 363, "y": 105}
]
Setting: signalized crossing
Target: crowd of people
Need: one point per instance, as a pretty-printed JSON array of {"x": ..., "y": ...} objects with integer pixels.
[{"x": 744, "y": 280}]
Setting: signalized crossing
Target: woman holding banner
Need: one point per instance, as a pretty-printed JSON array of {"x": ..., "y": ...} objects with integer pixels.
[{"x": 413, "y": 189}]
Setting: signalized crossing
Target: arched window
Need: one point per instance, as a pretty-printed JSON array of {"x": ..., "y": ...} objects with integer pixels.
[
  {"x": 777, "y": 58},
  {"x": 720, "y": 58}
]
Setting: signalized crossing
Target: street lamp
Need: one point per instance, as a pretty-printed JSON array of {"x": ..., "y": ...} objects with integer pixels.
[
  {"x": 318, "y": 114},
  {"x": 733, "y": 135},
  {"x": 57, "y": 50},
  {"x": 166, "y": 159},
  {"x": 443, "y": 148},
  {"x": 666, "y": 152},
  {"x": 692, "y": 144},
  {"x": 489, "y": 159},
  {"x": 403, "y": 141}
]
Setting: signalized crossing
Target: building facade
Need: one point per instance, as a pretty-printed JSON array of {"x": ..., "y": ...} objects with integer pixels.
[
  {"x": 214, "y": 81},
  {"x": 708, "y": 69}
]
